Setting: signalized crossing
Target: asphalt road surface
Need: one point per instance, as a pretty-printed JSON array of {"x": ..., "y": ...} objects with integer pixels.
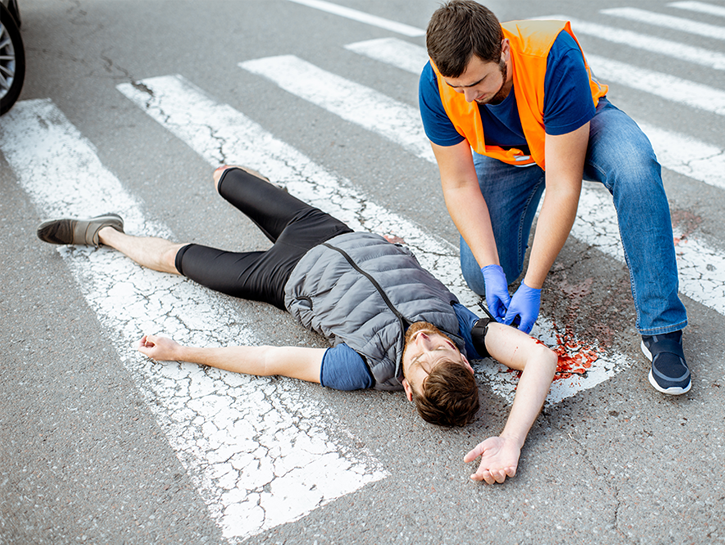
[{"x": 128, "y": 106}]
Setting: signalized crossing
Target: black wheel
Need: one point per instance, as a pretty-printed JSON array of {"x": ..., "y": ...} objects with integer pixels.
[{"x": 12, "y": 60}]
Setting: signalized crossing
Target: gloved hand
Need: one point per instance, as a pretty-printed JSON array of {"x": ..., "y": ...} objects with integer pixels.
[
  {"x": 525, "y": 305},
  {"x": 497, "y": 290}
]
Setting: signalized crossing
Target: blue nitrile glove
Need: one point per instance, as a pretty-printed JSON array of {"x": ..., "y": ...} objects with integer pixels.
[
  {"x": 497, "y": 290},
  {"x": 525, "y": 305}
]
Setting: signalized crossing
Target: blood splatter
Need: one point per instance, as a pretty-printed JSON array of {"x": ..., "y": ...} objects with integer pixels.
[{"x": 575, "y": 357}]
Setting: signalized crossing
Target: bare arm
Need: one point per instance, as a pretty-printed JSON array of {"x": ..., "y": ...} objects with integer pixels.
[
  {"x": 464, "y": 200},
  {"x": 287, "y": 361},
  {"x": 500, "y": 455},
  {"x": 565, "y": 156}
]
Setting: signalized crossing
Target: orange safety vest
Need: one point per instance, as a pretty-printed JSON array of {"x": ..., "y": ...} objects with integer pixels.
[{"x": 530, "y": 44}]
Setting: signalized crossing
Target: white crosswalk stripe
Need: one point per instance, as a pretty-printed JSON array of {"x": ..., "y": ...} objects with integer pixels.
[
  {"x": 654, "y": 44},
  {"x": 362, "y": 17},
  {"x": 662, "y": 85},
  {"x": 210, "y": 417},
  {"x": 393, "y": 51},
  {"x": 700, "y": 7},
  {"x": 668, "y": 21},
  {"x": 353, "y": 102},
  {"x": 321, "y": 88}
]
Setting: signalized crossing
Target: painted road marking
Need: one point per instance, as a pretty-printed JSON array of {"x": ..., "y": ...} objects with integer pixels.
[
  {"x": 371, "y": 109},
  {"x": 314, "y": 84},
  {"x": 686, "y": 155},
  {"x": 678, "y": 152},
  {"x": 659, "y": 84},
  {"x": 701, "y": 268},
  {"x": 668, "y": 21},
  {"x": 394, "y": 51},
  {"x": 362, "y": 17},
  {"x": 257, "y": 449},
  {"x": 218, "y": 132},
  {"x": 661, "y": 46},
  {"x": 700, "y": 7}
]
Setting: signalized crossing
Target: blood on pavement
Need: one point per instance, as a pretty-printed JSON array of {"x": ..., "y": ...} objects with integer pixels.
[{"x": 575, "y": 357}]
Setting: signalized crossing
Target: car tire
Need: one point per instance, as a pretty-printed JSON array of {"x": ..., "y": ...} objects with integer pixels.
[{"x": 12, "y": 60}]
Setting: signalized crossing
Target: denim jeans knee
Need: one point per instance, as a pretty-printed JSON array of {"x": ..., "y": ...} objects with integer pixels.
[{"x": 621, "y": 157}]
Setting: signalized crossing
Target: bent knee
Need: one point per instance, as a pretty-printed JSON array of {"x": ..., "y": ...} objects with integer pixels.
[
  {"x": 218, "y": 175},
  {"x": 219, "y": 172}
]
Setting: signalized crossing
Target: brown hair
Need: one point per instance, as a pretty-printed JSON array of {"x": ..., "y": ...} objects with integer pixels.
[
  {"x": 450, "y": 395},
  {"x": 460, "y": 29}
]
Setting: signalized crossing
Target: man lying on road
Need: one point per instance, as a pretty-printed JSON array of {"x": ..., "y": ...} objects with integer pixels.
[{"x": 392, "y": 325}]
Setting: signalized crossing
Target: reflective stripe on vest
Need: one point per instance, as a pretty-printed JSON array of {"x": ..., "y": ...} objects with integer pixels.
[{"x": 530, "y": 43}]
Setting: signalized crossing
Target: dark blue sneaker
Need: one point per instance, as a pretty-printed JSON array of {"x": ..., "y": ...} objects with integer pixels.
[{"x": 669, "y": 373}]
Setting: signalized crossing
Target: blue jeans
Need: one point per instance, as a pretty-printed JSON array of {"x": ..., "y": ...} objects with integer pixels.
[{"x": 621, "y": 157}]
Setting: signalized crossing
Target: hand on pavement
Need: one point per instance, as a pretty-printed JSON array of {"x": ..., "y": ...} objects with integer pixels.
[
  {"x": 525, "y": 304},
  {"x": 497, "y": 290},
  {"x": 158, "y": 348},
  {"x": 499, "y": 459}
]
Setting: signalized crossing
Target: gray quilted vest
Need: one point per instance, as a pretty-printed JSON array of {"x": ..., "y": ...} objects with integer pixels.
[{"x": 360, "y": 290}]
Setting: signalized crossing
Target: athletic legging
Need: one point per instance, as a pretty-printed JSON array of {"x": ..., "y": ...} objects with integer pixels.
[{"x": 293, "y": 226}]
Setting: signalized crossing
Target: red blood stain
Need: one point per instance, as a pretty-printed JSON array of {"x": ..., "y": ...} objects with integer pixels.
[
  {"x": 575, "y": 357},
  {"x": 686, "y": 222}
]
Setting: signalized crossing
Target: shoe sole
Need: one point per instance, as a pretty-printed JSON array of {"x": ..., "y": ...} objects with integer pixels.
[{"x": 672, "y": 391}]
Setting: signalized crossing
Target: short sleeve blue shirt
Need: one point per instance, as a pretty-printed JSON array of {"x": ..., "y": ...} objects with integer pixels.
[
  {"x": 568, "y": 102},
  {"x": 344, "y": 369}
]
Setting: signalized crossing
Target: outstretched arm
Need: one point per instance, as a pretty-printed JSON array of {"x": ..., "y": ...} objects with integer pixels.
[
  {"x": 500, "y": 455},
  {"x": 287, "y": 361}
]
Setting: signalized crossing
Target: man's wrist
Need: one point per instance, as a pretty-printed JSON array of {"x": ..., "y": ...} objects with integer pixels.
[
  {"x": 532, "y": 281},
  {"x": 513, "y": 438},
  {"x": 182, "y": 353}
]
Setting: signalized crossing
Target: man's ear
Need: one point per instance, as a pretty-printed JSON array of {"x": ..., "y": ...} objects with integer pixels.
[
  {"x": 465, "y": 362},
  {"x": 408, "y": 389},
  {"x": 505, "y": 49}
]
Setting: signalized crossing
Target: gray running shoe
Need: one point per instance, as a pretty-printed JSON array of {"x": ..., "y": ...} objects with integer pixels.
[{"x": 70, "y": 231}]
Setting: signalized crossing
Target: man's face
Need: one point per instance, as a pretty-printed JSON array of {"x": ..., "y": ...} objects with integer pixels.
[
  {"x": 484, "y": 82},
  {"x": 425, "y": 347}
]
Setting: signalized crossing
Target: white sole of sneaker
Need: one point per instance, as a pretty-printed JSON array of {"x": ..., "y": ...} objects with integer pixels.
[{"x": 668, "y": 391}]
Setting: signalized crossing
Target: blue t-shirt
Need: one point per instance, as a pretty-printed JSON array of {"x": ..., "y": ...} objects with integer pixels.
[
  {"x": 344, "y": 369},
  {"x": 568, "y": 102}
]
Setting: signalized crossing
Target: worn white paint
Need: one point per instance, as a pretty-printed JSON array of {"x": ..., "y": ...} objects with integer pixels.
[
  {"x": 689, "y": 93},
  {"x": 686, "y": 155},
  {"x": 393, "y": 51},
  {"x": 351, "y": 101},
  {"x": 701, "y": 268},
  {"x": 256, "y": 448},
  {"x": 314, "y": 85},
  {"x": 678, "y": 152},
  {"x": 361, "y": 17},
  {"x": 700, "y": 7},
  {"x": 668, "y": 21},
  {"x": 653, "y": 44}
]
